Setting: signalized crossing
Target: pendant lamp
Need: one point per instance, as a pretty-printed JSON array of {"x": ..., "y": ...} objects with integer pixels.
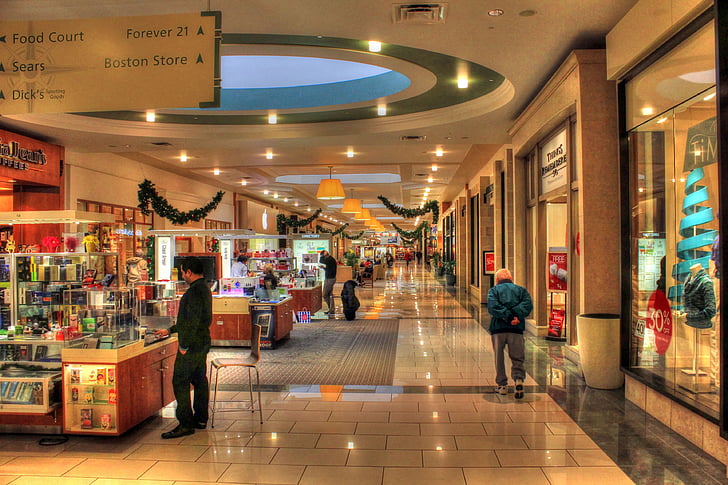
[
  {"x": 364, "y": 215},
  {"x": 330, "y": 189},
  {"x": 352, "y": 205}
]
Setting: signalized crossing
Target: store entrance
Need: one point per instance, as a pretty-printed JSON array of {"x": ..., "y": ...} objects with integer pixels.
[{"x": 557, "y": 237}]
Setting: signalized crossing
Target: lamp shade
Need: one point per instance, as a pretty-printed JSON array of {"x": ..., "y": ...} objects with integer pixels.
[
  {"x": 351, "y": 206},
  {"x": 330, "y": 189},
  {"x": 363, "y": 215}
]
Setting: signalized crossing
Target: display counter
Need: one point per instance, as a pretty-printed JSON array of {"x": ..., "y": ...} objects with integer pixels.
[
  {"x": 230, "y": 321},
  {"x": 306, "y": 298},
  {"x": 108, "y": 391},
  {"x": 275, "y": 318}
]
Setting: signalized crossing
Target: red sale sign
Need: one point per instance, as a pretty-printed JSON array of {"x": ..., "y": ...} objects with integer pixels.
[
  {"x": 659, "y": 320},
  {"x": 557, "y": 271}
]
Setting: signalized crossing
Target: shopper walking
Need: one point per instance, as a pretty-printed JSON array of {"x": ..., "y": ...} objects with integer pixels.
[
  {"x": 418, "y": 254},
  {"x": 509, "y": 305},
  {"x": 193, "y": 331},
  {"x": 407, "y": 258},
  {"x": 330, "y": 267}
]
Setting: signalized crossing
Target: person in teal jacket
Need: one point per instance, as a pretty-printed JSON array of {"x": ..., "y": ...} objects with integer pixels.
[{"x": 509, "y": 305}]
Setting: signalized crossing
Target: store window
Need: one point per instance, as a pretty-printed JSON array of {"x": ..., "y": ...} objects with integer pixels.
[
  {"x": 126, "y": 235},
  {"x": 674, "y": 194}
]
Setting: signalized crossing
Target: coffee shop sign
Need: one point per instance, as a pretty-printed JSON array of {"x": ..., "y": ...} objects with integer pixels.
[{"x": 13, "y": 155}]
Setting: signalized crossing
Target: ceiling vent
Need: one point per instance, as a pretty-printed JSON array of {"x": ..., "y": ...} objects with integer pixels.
[
  {"x": 413, "y": 138},
  {"x": 419, "y": 13},
  {"x": 162, "y": 143}
]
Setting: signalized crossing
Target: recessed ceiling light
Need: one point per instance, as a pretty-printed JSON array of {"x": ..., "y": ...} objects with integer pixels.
[
  {"x": 275, "y": 196},
  {"x": 285, "y": 199},
  {"x": 463, "y": 82},
  {"x": 382, "y": 110},
  {"x": 272, "y": 119},
  {"x": 216, "y": 171},
  {"x": 183, "y": 158},
  {"x": 266, "y": 192},
  {"x": 434, "y": 167},
  {"x": 430, "y": 179},
  {"x": 296, "y": 204},
  {"x": 151, "y": 116},
  {"x": 496, "y": 12},
  {"x": 350, "y": 153},
  {"x": 438, "y": 152},
  {"x": 243, "y": 183},
  {"x": 269, "y": 154},
  {"x": 375, "y": 46}
]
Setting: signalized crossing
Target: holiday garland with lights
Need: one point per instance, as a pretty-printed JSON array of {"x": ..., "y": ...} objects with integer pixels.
[
  {"x": 147, "y": 195},
  {"x": 323, "y": 230},
  {"x": 409, "y": 237},
  {"x": 429, "y": 206},
  {"x": 355, "y": 236},
  {"x": 282, "y": 221}
]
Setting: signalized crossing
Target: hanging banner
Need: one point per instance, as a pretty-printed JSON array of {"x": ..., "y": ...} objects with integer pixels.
[{"x": 557, "y": 271}]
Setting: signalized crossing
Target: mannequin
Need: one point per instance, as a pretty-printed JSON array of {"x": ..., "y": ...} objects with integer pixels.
[{"x": 699, "y": 306}]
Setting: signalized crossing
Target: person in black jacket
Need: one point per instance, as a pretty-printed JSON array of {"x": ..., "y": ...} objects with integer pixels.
[
  {"x": 349, "y": 300},
  {"x": 330, "y": 268},
  {"x": 190, "y": 367}
]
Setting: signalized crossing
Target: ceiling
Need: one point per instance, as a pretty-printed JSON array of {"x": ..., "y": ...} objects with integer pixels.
[{"x": 509, "y": 57}]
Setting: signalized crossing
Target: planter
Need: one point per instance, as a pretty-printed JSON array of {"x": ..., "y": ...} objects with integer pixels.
[
  {"x": 599, "y": 350},
  {"x": 439, "y": 272},
  {"x": 450, "y": 279}
]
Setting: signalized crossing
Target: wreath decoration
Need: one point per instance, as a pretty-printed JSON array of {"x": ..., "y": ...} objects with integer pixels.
[
  {"x": 409, "y": 237},
  {"x": 282, "y": 221},
  {"x": 323, "y": 230},
  {"x": 430, "y": 206},
  {"x": 147, "y": 195}
]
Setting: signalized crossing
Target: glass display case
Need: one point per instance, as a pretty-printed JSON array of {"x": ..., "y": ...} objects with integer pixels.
[
  {"x": 280, "y": 265},
  {"x": 41, "y": 278},
  {"x": 103, "y": 316},
  {"x": 29, "y": 391},
  {"x": 90, "y": 397},
  {"x": 156, "y": 306}
]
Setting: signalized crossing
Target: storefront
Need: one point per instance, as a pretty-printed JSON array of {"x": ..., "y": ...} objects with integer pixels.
[
  {"x": 557, "y": 203},
  {"x": 672, "y": 187}
]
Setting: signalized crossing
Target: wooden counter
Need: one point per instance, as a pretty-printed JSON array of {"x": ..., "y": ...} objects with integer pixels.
[
  {"x": 306, "y": 298},
  {"x": 108, "y": 391},
  {"x": 230, "y": 321},
  {"x": 283, "y": 315}
]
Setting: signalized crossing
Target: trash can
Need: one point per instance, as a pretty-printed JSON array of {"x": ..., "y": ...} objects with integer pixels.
[{"x": 599, "y": 350}]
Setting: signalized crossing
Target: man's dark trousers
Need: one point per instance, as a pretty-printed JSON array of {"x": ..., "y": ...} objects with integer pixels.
[{"x": 191, "y": 368}]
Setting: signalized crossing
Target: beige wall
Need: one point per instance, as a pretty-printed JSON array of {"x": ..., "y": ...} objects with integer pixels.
[
  {"x": 645, "y": 27},
  {"x": 113, "y": 179}
]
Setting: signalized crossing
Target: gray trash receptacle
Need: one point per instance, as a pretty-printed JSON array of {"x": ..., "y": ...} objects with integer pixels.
[{"x": 599, "y": 350}]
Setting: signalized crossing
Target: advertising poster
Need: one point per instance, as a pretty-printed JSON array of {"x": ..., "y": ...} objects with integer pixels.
[
  {"x": 556, "y": 323},
  {"x": 557, "y": 271},
  {"x": 488, "y": 262},
  {"x": 660, "y": 320}
]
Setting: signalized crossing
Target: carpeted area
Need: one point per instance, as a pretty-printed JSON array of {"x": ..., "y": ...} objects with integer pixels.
[{"x": 325, "y": 352}]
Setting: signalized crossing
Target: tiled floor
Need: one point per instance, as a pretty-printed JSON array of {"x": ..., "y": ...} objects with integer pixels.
[{"x": 438, "y": 422}]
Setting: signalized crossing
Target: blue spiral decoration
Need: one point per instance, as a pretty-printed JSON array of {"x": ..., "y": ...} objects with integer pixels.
[{"x": 694, "y": 236}]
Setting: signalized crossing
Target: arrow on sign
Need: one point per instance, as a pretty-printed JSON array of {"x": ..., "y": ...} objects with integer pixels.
[
  {"x": 2, "y": 95},
  {"x": 2, "y": 39},
  {"x": 199, "y": 59},
  {"x": 2, "y": 68},
  {"x": 200, "y": 31}
]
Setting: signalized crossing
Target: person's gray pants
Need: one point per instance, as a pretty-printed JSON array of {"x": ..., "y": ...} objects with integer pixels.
[
  {"x": 516, "y": 351},
  {"x": 328, "y": 294}
]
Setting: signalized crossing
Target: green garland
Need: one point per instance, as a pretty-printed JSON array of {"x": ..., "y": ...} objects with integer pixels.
[
  {"x": 148, "y": 195},
  {"x": 430, "y": 206},
  {"x": 282, "y": 221},
  {"x": 352, "y": 237},
  {"x": 323, "y": 230},
  {"x": 411, "y": 236}
]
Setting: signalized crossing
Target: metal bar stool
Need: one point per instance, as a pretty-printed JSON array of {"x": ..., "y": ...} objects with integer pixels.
[{"x": 250, "y": 362}]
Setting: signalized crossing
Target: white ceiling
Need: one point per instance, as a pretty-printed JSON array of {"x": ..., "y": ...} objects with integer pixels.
[{"x": 524, "y": 49}]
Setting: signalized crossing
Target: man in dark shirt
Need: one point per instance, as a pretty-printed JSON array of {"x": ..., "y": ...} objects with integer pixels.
[
  {"x": 190, "y": 367},
  {"x": 330, "y": 278}
]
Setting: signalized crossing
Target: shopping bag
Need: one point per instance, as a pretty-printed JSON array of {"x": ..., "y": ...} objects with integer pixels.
[{"x": 303, "y": 316}]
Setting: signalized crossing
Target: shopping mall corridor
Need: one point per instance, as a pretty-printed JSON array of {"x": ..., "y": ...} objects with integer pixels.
[{"x": 431, "y": 418}]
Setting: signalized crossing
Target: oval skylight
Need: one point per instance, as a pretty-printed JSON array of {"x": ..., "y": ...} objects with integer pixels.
[
  {"x": 289, "y": 82},
  {"x": 249, "y": 72},
  {"x": 346, "y": 178}
]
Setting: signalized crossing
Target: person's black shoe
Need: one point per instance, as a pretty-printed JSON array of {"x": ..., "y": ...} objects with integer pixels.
[
  {"x": 177, "y": 432},
  {"x": 201, "y": 425}
]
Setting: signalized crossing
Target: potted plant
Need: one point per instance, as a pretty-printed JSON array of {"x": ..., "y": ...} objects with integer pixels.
[
  {"x": 435, "y": 263},
  {"x": 350, "y": 258},
  {"x": 448, "y": 268}
]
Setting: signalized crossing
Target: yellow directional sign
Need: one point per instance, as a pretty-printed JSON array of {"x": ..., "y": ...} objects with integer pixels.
[{"x": 61, "y": 66}]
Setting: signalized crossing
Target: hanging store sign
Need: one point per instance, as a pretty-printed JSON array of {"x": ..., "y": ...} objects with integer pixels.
[
  {"x": 163, "y": 258},
  {"x": 554, "y": 160},
  {"x": 160, "y": 61},
  {"x": 226, "y": 254}
]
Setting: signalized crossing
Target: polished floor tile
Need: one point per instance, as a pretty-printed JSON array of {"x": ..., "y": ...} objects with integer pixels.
[
  {"x": 262, "y": 474},
  {"x": 431, "y": 476},
  {"x": 507, "y": 476},
  {"x": 391, "y": 458},
  {"x": 131, "y": 469},
  {"x": 334, "y": 475},
  {"x": 460, "y": 458},
  {"x": 179, "y": 470}
]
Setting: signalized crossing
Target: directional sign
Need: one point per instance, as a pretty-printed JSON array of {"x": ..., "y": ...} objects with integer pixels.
[{"x": 161, "y": 61}]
